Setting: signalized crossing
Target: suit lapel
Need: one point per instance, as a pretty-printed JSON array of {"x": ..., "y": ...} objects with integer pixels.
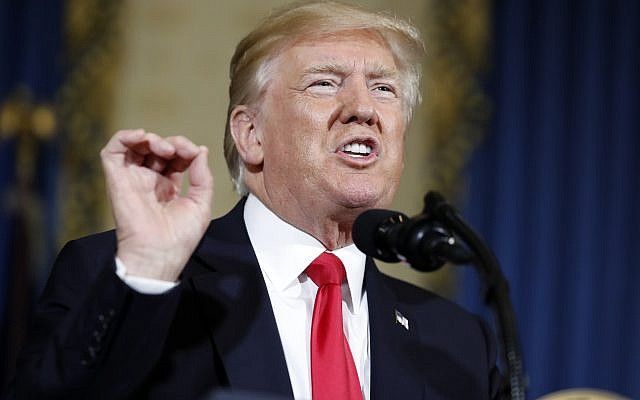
[
  {"x": 237, "y": 308},
  {"x": 243, "y": 329},
  {"x": 393, "y": 342}
]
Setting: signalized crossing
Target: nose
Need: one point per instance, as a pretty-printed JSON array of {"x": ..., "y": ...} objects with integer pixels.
[{"x": 357, "y": 104}]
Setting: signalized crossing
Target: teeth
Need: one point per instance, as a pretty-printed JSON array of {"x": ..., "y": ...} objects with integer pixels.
[{"x": 357, "y": 149}]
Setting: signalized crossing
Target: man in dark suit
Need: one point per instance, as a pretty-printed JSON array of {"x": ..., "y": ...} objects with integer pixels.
[{"x": 172, "y": 306}]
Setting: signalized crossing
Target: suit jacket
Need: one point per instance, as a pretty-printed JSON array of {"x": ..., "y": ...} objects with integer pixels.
[{"x": 94, "y": 337}]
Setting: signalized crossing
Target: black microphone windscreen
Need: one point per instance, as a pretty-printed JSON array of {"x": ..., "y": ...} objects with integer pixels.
[{"x": 368, "y": 232}]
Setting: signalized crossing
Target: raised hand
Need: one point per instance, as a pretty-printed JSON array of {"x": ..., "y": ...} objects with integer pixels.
[{"x": 157, "y": 227}]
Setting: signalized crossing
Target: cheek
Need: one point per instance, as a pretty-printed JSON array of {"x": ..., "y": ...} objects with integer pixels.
[
  {"x": 300, "y": 134},
  {"x": 318, "y": 116},
  {"x": 395, "y": 142},
  {"x": 287, "y": 151},
  {"x": 397, "y": 136}
]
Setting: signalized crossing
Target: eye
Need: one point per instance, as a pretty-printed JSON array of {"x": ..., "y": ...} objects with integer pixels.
[
  {"x": 384, "y": 90},
  {"x": 323, "y": 83},
  {"x": 323, "y": 87}
]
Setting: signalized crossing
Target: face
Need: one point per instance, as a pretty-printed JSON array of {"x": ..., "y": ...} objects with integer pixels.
[{"x": 331, "y": 124}]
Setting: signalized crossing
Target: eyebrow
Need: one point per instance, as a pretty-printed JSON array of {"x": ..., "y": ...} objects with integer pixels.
[{"x": 374, "y": 71}]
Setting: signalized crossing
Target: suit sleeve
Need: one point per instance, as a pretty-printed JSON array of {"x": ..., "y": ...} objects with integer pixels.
[{"x": 92, "y": 336}]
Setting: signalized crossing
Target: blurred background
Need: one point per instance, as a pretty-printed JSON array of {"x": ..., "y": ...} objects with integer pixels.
[{"x": 530, "y": 125}]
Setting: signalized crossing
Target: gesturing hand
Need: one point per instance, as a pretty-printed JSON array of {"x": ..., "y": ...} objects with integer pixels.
[{"x": 157, "y": 228}]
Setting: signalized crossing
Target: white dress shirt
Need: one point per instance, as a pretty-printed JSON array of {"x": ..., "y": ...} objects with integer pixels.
[{"x": 284, "y": 252}]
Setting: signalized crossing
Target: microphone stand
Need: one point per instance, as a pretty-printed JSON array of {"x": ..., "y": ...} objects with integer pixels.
[{"x": 496, "y": 292}]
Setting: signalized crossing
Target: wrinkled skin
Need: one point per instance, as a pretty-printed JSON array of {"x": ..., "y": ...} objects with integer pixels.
[{"x": 322, "y": 94}]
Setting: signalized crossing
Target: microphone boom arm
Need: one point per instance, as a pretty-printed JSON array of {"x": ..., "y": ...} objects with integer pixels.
[{"x": 496, "y": 294}]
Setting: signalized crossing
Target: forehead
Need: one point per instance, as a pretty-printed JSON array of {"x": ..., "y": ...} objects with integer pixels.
[{"x": 339, "y": 51}]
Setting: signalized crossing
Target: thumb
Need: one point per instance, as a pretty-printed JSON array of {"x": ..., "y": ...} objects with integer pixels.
[{"x": 201, "y": 179}]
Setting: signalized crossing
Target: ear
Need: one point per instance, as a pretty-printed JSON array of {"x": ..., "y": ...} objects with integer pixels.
[{"x": 242, "y": 125}]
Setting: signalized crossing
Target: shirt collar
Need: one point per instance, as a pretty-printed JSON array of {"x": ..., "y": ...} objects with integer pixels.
[{"x": 284, "y": 251}]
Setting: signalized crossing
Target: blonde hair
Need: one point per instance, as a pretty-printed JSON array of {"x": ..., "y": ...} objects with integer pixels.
[{"x": 249, "y": 68}]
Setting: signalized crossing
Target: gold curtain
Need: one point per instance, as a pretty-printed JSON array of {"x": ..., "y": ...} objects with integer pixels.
[
  {"x": 85, "y": 104},
  {"x": 457, "y": 36},
  {"x": 456, "y": 109}
]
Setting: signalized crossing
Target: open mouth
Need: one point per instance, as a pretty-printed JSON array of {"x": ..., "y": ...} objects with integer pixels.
[
  {"x": 360, "y": 149},
  {"x": 355, "y": 149}
]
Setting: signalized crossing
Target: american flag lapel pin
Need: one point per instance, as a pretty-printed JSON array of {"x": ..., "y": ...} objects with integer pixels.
[{"x": 402, "y": 320}]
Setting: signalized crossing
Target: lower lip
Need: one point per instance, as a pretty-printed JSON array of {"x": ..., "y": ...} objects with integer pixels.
[{"x": 358, "y": 161}]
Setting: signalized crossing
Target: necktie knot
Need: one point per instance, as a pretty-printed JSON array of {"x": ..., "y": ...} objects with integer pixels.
[
  {"x": 333, "y": 371},
  {"x": 326, "y": 269}
]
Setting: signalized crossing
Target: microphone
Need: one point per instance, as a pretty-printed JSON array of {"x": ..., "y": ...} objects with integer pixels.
[
  {"x": 430, "y": 239},
  {"x": 421, "y": 241}
]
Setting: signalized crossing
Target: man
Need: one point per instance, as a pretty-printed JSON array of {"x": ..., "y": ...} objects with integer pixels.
[{"x": 170, "y": 306}]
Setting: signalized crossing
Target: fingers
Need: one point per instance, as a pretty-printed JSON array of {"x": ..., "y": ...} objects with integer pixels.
[
  {"x": 163, "y": 155},
  {"x": 122, "y": 140},
  {"x": 201, "y": 179},
  {"x": 139, "y": 142},
  {"x": 169, "y": 157},
  {"x": 177, "y": 161},
  {"x": 185, "y": 152},
  {"x": 139, "y": 148}
]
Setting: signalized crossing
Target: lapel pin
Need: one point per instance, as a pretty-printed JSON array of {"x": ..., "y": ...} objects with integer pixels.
[{"x": 402, "y": 320}]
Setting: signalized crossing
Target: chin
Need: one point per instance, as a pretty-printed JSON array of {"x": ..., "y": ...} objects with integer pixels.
[{"x": 361, "y": 197}]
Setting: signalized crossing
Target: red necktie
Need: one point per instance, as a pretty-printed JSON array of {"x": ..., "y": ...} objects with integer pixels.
[{"x": 333, "y": 372}]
